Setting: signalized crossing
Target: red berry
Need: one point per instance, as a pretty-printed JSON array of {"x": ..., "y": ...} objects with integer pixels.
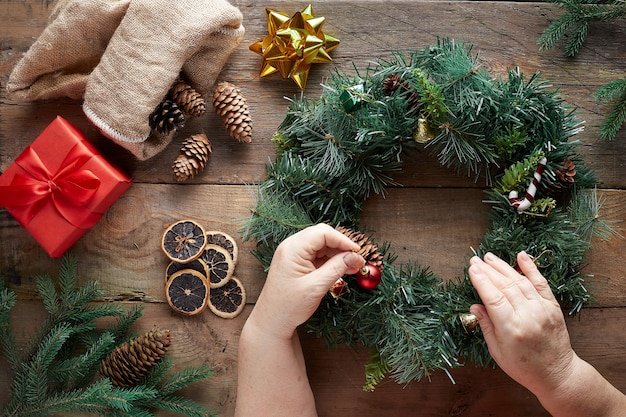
[{"x": 368, "y": 277}]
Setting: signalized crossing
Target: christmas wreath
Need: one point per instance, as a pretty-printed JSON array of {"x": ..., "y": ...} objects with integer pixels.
[{"x": 333, "y": 153}]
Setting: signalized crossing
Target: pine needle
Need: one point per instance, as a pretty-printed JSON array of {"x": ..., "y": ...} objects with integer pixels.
[
  {"x": 55, "y": 373},
  {"x": 614, "y": 91},
  {"x": 181, "y": 379},
  {"x": 575, "y": 23}
]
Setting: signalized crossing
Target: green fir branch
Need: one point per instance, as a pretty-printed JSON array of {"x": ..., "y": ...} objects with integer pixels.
[
  {"x": 431, "y": 96},
  {"x": 584, "y": 212},
  {"x": 612, "y": 91},
  {"x": 576, "y": 39},
  {"x": 99, "y": 398},
  {"x": 157, "y": 372},
  {"x": 7, "y": 340},
  {"x": 575, "y": 21},
  {"x": 125, "y": 399},
  {"x": 575, "y": 24},
  {"x": 119, "y": 329},
  {"x": 555, "y": 31},
  {"x": 181, "y": 379},
  {"x": 64, "y": 401},
  {"x": 133, "y": 412},
  {"x": 37, "y": 368},
  {"x": 182, "y": 405},
  {"x": 67, "y": 278},
  {"x": 48, "y": 294},
  {"x": 78, "y": 370},
  {"x": 376, "y": 369},
  {"x": 517, "y": 176},
  {"x": 615, "y": 92},
  {"x": 55, "y": 373}
]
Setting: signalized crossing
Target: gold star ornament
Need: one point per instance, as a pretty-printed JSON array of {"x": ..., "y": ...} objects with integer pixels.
[{"x": 294, "y": 44}]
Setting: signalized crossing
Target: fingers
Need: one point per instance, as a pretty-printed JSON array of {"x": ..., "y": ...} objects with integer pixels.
[
  {"x": 484, "y": 320},
  {"x": 513, "y": 285},
  {"x": 320, "y": 240},
  {"x": 492, "y": 297},
  {"x": 321, "y": 251},
  {"x": 335, "y": 268},
  {"x": 334, "y": 239},
  {"x": 502, "y": 289},
  {"x": 529, "y": 269}
]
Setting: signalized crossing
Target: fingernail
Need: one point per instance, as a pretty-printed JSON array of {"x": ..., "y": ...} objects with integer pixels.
[
  {"x": 475, "y": 270},
  {"x": 489, "y": 256},
  {"x": 524, "y": 256},
  {"x": 353, "y": 260},
  {"x": 477, "y": 312}
]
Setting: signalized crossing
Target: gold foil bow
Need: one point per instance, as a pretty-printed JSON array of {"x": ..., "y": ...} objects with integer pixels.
[{"x": 294, "y": 44}]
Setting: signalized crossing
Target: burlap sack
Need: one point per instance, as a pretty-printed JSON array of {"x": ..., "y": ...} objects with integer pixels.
[
  {"x": 123, "y": 56},
  {"x": 69, "y": 48},
  {"x": 154, "y": 41}
]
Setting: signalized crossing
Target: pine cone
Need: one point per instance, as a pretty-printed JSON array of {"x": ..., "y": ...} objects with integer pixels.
[
  {"x": 369, "y": 251},
  {"x": 166, "y": 117},
  {"x": 132, "y": 361},
  {"x": 565, "y": 178},
  {"x": 566, "y": 174},
  {"x": 393, "y": 82},
  {"x": 194, "y": 155},
  {"x": 188, "y": 99},
  {"x": 232, "y": 107},
  {"x": 413, "y": 98}
]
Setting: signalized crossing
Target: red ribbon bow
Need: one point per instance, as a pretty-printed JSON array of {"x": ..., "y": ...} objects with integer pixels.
[{"x": 68, "y": 189}]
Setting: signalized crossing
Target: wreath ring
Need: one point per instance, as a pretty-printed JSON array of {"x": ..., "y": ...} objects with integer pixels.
[{"x": 333, "y": 153}]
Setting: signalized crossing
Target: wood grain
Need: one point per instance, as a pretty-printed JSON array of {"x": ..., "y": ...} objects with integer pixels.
[
  {"x": 435, "y": 218},
  {"x": 475, "y": 392}
]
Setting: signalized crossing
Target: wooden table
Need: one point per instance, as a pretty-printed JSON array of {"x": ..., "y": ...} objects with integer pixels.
[{"x": 437, "y": 215}]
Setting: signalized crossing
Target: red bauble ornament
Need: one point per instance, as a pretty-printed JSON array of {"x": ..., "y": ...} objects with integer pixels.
[{"x": 368, "y": 277}]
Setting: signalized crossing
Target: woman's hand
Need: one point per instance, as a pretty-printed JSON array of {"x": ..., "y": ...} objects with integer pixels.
[
  {"x": 303, "y": 269},
  {"x": 522, "y": 322},
  {"x": 272, "y": 378}
]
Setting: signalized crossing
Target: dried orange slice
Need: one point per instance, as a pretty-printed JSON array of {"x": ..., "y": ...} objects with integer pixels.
[
  {"x": 187, "y": 292},
  {"x": 183, "y": 241},
  {"x": 228, "y": 300},
  {"x": 216, "y": 237},
  {"x": 220, "y": 264},
  {"x": 197, "y": 264}
]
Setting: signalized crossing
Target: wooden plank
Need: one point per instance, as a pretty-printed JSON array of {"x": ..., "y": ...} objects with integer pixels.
[
  {"x": 435, "y": 227},
  {"x": 437, "y": 217},
  {"x": 204, "y": 338},
  {"x": 123, "y": 251},
  {"x": 504, "y": 34},
  {"x": 337, "y": 375}
]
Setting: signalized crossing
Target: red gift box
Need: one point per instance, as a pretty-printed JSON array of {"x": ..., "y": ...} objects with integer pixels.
[{"x": 60, "y": 186}]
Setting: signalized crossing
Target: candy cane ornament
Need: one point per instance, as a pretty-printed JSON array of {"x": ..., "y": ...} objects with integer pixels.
[{"x": 523, "y": 204}]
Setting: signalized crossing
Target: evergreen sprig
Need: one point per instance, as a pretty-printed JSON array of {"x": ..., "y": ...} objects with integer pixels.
[
  {"x": 575, "y": 23},
  {"x": 55, "y": 373},
  {"x": 332, "y": 157},
  {"x": 614, "y": 92},
  {"x": 579, "y": 14}
]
